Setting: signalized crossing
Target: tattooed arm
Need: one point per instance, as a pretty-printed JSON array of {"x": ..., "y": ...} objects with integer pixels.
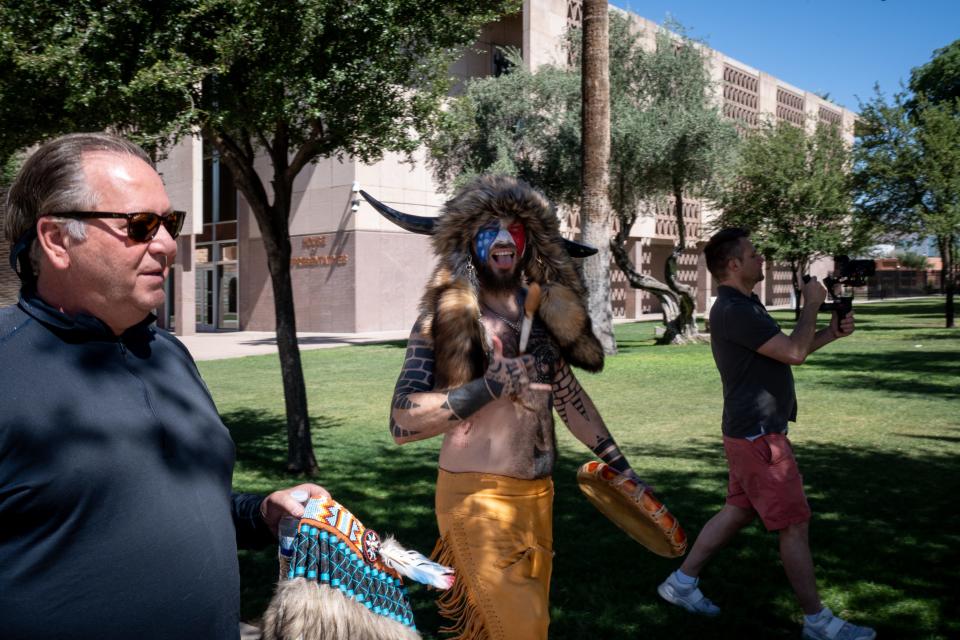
[
  {"x": 576, "y": 409},
  {"x": 419, "y": 412}
]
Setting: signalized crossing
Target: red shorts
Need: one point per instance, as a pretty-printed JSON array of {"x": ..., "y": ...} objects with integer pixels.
[{"x": 764, "y": 477}]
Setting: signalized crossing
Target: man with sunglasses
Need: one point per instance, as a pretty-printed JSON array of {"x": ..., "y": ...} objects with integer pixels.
[{"x": 117, "y": 516}]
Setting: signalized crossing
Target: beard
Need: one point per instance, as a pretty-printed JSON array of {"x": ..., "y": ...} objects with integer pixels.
[{"x": 497, "y": 282}]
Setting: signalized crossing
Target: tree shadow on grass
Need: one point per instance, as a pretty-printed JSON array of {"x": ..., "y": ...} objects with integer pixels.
[
  {"x": 934, "y": 335},
  {"x": 884, "y": 539},
  {"x": 390, "y": 344},
  {"x": 944, "y": 439},
  {"x": 261, "y": 438},
  {"x": 924, "y": 372},
  {"x": 633, "y": 346},
  {"x": 894, "y": 316},
  {"x": 901, "y": 309}
]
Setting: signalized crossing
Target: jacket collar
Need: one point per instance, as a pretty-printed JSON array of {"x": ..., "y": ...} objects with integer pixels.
[{"x": 80, "y": 325}]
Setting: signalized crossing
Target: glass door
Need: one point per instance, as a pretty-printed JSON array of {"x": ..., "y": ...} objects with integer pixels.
[
  {"x": 227, "y": 281},
  {"x": 206, "y": 288}
]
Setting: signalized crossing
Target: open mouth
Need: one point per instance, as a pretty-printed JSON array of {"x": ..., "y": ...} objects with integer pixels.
[{"x": 503, "y": 258}]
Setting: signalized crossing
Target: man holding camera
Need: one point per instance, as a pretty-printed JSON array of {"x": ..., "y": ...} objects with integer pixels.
[{"x": 754, "y": 359}]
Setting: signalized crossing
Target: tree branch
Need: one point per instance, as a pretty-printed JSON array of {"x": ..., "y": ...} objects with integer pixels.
[
  {"x": 241, "y": 168},
  {"x": 308, "y": 150}
]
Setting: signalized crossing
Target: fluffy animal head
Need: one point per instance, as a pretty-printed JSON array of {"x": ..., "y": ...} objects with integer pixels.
[{"x": 450, "y": 308}]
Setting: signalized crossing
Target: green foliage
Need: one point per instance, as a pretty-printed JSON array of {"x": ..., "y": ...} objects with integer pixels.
[
  {"x": 527, "y": 123},
  {"x": 521, "y": 123},
  {"x": 912, "y": 260},
  {"x": 791, "y": 189},
  {"x": 876, "y": 438},
  {"x": 886, "y": 156},
  {"x": 343, "y": 77},
  {"x": 8, "y": 171},
  {"x": 938, "y": 136},
  {"x": 939, "y": 80},
  {"x": 907, "y": 172},
  {"x": 669, "y": 135},
  {"x": 667, "y": 138}
]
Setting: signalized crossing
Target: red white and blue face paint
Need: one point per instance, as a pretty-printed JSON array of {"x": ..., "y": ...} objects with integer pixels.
[
  {"x": 519, "y": 235},
  {"x": 498, "y": 232},
  {"x": 484, "y": 240}
]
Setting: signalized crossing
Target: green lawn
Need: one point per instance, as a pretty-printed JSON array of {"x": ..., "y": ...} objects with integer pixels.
[{"x": 878, "y": 438}]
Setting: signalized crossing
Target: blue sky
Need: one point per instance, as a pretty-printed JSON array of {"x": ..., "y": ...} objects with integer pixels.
[{"x": 841, "y": 47}]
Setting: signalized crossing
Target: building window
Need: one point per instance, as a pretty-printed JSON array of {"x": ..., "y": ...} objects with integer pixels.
[
  {"x": 741, "y": 102},
  {"x": 219, "y": 191},
  {"x": 790, "y": 107},
  {"x": 829, "y": 116},
  {"x": 574, "y": 13}
]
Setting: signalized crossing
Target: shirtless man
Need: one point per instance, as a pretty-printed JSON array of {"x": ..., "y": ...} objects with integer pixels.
[{"x": 467, "y": 381}]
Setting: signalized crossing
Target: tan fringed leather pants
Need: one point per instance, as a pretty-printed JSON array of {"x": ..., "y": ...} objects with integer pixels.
[{"x": 496, "y": 532}]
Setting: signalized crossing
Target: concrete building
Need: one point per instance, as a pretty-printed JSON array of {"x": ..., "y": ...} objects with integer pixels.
[{"x": 353, "y": 271}]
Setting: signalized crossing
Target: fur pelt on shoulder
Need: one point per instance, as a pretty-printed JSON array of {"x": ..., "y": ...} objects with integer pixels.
[{"x": 450, "y": 307}]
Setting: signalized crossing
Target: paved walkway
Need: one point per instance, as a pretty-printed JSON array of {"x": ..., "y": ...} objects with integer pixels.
[{"x": 234, "y": 344}]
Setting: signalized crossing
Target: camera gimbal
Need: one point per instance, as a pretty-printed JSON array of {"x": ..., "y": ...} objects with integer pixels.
[{"x": 847, "y": 275}]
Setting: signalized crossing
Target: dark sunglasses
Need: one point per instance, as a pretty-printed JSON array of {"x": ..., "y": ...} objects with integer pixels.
[{"x": 141, "y": 226}]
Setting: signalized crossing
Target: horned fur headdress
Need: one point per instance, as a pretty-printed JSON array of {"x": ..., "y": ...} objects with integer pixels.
[{"x": 450, "y": 305}]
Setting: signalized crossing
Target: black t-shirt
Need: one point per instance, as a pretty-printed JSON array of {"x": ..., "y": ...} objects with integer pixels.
[{"x": 758, "y": 394}]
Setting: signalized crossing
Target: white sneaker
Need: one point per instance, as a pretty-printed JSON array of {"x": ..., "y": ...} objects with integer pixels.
[
  {"x": 830, "y": 627},
  {"x": 687, "y": 596}
]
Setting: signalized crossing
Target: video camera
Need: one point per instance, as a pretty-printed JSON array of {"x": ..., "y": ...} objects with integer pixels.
[{"x": 847, "y": 275}]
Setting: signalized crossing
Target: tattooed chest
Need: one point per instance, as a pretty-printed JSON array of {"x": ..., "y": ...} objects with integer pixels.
[
  {"x": 540, "y": 345},
  {"x": 544, "y": 351}
]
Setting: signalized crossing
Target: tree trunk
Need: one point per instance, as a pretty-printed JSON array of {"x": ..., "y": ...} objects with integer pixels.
[
  {"x": 686, "y": 306},
  {"x": 797, "y": 286},
  {"x": 300, "y": 457},
  {"x": 685, "y": 294},
  {"x": 674, "y": 329},
  {"x": 597, "y": 222},
  {"x": 273, "y": 224},
  {"x": 948, "y": 276}
]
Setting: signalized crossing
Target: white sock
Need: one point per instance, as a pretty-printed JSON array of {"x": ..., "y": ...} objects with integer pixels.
[{"x": 683, "y": 578}]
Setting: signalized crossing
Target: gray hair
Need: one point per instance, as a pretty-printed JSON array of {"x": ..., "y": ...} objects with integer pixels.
[{"x": 52, "y": 180}]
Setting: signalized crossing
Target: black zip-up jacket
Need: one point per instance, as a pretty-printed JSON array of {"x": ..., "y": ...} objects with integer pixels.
[{"x": 117, "y": 519}]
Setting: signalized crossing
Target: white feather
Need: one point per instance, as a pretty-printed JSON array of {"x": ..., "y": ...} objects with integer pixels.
[{"x": 415, "y": 566}]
